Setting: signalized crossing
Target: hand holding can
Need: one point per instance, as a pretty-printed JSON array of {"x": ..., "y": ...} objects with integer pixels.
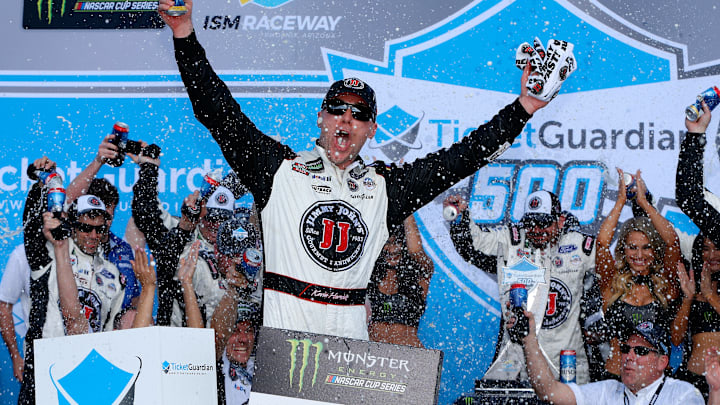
[{"x": 711, "y": 97}]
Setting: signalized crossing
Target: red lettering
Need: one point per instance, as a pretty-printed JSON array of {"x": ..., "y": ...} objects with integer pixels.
[
  {"x": 327, "y": 233},
  {"x": 552, "y": 304},
  {"x": 343, "y": 245}
]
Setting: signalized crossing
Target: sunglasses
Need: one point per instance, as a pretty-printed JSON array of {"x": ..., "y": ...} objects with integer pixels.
[
  {"x": 360, "y": 112},
  {"x": 639, "y": 350},
  {"x": 86, "y": 228}
]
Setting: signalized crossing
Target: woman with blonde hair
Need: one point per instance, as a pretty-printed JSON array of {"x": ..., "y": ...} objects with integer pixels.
[{"x": 639, "y": 283}]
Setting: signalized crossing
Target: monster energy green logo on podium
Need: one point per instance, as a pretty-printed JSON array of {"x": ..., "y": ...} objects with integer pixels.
[
  {"x": 305, "y": 354},
  {"x": 334, "y": 370},
  {"x": 80, "y": 14}
]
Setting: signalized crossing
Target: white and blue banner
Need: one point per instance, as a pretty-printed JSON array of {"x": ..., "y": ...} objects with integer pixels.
[{"x": 440, "y": 69}]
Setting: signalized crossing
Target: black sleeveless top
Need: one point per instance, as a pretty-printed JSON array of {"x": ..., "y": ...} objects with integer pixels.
[
  {"x": 622, "y": 318},
  {"x": 703, "y": 318}
]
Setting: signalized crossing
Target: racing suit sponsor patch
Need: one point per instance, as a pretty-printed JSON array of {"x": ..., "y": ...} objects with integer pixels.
[
  {"x": 315, "y": 165},
  {"x": 558, "y": 305},
  {"x": 300, "y": 168},
  {"x": 321, "y": 189},
  {"x": 333, "y": 234},
  {"x": 105, "y": 273},
  {"x": 92, "y": 308}
]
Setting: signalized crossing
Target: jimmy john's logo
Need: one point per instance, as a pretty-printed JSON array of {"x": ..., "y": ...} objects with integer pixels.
[
  {"x": 302, "y": 363},
  {"x": 558, "y": 305},
  {"x": 333, "y": 234},
  {"x": 563, "y": 72},
  {"x": 354, "y": 83}
]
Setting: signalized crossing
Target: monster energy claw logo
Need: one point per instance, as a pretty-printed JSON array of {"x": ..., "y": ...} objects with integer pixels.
[
  {"x": 306, "y": 345},
  {"x": 49, "y": 9},
  {"x": 637, "y": 318}
]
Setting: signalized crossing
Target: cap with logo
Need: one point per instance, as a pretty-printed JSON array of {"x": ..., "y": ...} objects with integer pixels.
[
  {"x": 656, "y": 335},
  {"x": 247, "y": 311},
  {"x": 355, "y": 86},
  {"x": 542, "y": 208},
  {"x": 90, "y": 204},
  {"x": 235, "y": 236},
  {"x": 220, "y": 205}
]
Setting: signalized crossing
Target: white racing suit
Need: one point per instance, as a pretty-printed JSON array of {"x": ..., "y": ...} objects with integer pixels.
[
  {"x": 100, "y": 289},
  {"x": 570, "y": 262},
  {"x": 323, "y": 228}
]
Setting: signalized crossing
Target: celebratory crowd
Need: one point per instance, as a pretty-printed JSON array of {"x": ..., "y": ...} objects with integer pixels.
[{"x": 330, "y": 246}]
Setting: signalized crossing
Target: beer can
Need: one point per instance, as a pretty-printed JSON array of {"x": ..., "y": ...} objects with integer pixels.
[
  {"x": 567, "y": 366},
  {"x": 711, "y": 97},
  {"x": 252, "y": 260},
  {"x": 630, "y": 184},
  {"x": 178, "y": 9},
  {"x": 210, "y": 183},
  {"x": 120, "y": 130},
  {"x": 56, "y": 199},
  {"x": 518, "y": 296}
]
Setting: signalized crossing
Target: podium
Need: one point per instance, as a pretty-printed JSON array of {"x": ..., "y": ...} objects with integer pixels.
[
  {"x": 154, "y": 365},
  {"x": 303, "y": 368}
]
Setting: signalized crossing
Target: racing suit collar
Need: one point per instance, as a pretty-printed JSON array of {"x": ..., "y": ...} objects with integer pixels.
[{"x": 323, "y": 155}]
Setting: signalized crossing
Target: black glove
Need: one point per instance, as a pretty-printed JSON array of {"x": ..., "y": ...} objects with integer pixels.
[
  {"x": 521, "y": 328},
  {"x": 192, "y": 214},
  {"x": 63, "y": 231}
]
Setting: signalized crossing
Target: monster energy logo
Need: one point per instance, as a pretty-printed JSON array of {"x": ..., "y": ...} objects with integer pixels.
[
  {"x": 387, "y": 307},
  {"x": 707, "y": 316},
  {"x": 49, "y": 9},
  {"x": 468, "y": 401},
  {"x": 305, "y": 345},
  {"x": 637, "y": 318}
]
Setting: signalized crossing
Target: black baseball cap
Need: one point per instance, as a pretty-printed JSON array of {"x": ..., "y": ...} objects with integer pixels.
[
  {"x": 542, "y": 208},
  {"x": 235, "y": 236},
  {"x": 248, "y": 311},
  {"x": 656, "y": 335},
  {"x": 353, "y": 85}
]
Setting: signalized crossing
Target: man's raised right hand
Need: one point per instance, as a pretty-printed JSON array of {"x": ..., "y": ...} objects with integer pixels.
[{"x": 181, "y": 26}]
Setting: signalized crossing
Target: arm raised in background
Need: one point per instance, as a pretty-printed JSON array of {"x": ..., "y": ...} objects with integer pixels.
[
  {"x": 80, "y": 184},
  {"x": 423, "y": 262},
  {"x": 72, "y": 311},
  {"x": 461, "y": 235},
  {"x": 541, "y": 377},
  {"x": 604, "y": 262},
  {"x": 689, "y": 190},
  {"x": 668, "y": 235},
  {"x": 679, "y": 325},
  {"x": 148, "y": 280},
  {"x": 7, "y": 329},
  {"x": 193, "y": 316}
]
